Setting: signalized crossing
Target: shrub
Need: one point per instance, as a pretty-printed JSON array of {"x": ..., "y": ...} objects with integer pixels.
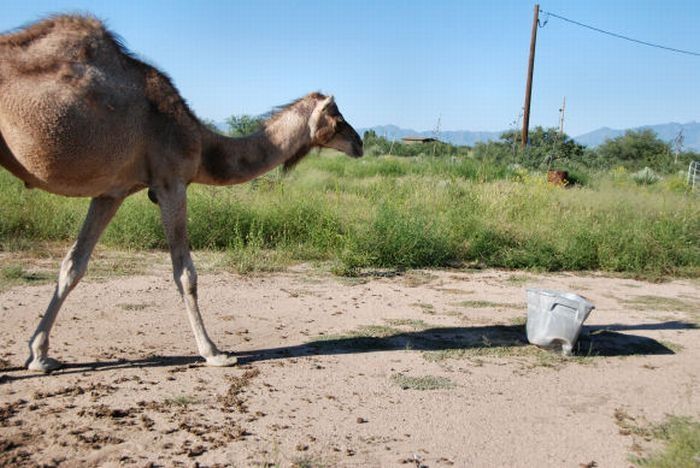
[{"x": 646, "y": 176}]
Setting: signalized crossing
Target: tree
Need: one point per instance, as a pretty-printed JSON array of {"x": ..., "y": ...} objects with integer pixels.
[
  {"x": 243, "y": 125},
  {"x": 546, "y": 148},
  {"x": 636, "y": 148}
]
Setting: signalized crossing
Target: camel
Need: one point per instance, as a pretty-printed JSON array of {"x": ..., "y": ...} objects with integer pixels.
[{"x": 80, "y": 116}]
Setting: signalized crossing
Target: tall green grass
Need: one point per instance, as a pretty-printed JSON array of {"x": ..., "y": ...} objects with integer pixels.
[{"x": 403, "y": 213}]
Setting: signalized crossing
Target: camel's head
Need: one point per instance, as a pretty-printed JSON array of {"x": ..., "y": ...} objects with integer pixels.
[{"x": 330, "y": 130}]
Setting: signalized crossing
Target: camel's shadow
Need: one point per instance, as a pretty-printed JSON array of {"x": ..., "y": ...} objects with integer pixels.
[{"x": 595, "y": 341}]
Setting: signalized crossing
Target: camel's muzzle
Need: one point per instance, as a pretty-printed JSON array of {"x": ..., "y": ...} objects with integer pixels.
[{"x": 350, "y": 135}]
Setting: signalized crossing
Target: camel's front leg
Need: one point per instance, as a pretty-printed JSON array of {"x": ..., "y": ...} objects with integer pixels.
[
  {"x": 73, "y": 268},
  {"x": 173, "y": 208}
]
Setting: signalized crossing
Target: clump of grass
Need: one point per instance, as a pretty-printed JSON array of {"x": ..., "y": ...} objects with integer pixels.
[
  {"x": 477, "y": 304},
  {"x": 480, "y": 352},
  {"x": 375, "y": 331},
  {"x": 12, "y": 272},
  {"x": 250, "y": 260},
  {"x": 416, "y": 278},
  {"x": 519, "y": 321},
  {"x": 182, "y": 401},
  {"x": 425, "y": 307},
  {"x": 135, "y": 307},
  {"x": 679, "y": 435},
  {"x": 427, "y": 382},
  {"x": 661, "y": 303},
  {"x": 308, "y": 461},
  {"x": 646, "y": 176},
  {"x": 518, "y": 280},
  {"x": 681, "y": 439},
  {"x": 675, "y": 347},
  {"x": 413, "y": 324},
  {"x": 12, "y": 275},
  {"x": 19, "y": 274},
  {"x": 122, "y": 263}
]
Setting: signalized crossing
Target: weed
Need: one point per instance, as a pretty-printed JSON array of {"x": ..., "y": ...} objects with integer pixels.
[
  {"x": 428, "y": 382},
  {"x": 480, "y": 352},
  {"x": 520, "y": 320},
  {"x": 12, "y": 272},
  {"x": 135, "y": 307},
  {"x": 646, "y": 176},
  {"x": 661, "y": 303},
  {"x": 518, "y": 280},
  {"x": 476, "y": 304},
  {"x": 182, "y": 401},
  {"x": 417, "y": 278},
  {"x": 310, "y": 461},
  {"x": 425, "y": 307},
  {"x": 12, "y": 275},
  {"x": 413, "y": 324},
  {"x": 680, "y": 437},
  {"x": 676, "y": 348}
]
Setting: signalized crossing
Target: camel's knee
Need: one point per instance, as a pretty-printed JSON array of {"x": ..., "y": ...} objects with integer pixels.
[
  {"x": 186, "y": 279},
  {"x": 72, "y": 271}
]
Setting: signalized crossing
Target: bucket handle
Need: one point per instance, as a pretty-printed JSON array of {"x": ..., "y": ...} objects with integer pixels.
[{"x": 574, "y": 306}]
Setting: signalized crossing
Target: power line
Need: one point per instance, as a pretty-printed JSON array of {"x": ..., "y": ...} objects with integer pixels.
[{"x": 620, "y": 36}]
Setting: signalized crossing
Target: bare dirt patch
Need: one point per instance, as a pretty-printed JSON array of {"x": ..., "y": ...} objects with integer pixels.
[{"x": 429, "y": 369}]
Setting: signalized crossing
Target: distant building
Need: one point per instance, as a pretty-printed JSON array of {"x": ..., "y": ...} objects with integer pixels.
[{"x": 410, "y": 140}]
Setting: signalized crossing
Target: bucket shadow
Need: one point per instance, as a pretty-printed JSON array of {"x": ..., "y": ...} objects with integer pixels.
[
  {"x": 606, "y": 340},
  {"x": 603, "y": 341}
]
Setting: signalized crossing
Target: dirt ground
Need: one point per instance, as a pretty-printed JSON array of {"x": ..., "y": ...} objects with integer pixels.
[{"x": 428, "y": 368}]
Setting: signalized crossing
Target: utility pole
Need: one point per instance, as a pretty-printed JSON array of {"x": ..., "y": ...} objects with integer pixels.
[
  {"x": 677, "y": 145},
  {"x": 530, "y": 69},
  {"x": 561, "y": 118},
  {"x": 436, "y": 134}
]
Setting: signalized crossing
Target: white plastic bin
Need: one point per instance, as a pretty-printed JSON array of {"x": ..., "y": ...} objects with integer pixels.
[{"x": 555, "y": 318}]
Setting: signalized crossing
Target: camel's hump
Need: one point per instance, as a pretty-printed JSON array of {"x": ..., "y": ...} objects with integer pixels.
[
  {"x": 46, "y": 46},
  {"x": 86, "y": 25}
]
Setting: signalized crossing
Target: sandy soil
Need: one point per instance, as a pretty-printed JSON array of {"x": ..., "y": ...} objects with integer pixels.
[{"x": 429, "y": 368}]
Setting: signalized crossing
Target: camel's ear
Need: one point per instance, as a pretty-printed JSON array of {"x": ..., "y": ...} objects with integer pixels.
[
  {"x": 326, "y": 103},
  {"x": 322, "y": 106}
]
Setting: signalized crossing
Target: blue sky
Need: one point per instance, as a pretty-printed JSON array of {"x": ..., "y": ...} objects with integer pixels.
[{"x": 410, "y": 62}]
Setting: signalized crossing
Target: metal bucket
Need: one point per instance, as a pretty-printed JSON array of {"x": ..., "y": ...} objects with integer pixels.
[{"x": 555, "y": 319}]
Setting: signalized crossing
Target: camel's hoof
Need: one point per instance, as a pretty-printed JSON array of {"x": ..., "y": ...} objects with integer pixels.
[
  {"x": 222, "y": 360},
  {"x": 45, "y": 364}
]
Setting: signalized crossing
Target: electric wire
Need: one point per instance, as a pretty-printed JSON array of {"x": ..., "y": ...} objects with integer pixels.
[{"x": 619, "y": 36}]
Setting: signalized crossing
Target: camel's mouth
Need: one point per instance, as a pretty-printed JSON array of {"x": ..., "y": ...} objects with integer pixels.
[
  {"x": 355, "y": 142},
  {"x": 357, "y": 150}
]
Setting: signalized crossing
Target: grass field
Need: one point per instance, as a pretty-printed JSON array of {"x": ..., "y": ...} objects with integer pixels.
[{"x": 402, "y": 213}]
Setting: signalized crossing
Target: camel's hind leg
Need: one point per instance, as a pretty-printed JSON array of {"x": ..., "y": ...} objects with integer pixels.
[
  {"x": 72, "y": 269},
  {"x": 173, "y": 208}
]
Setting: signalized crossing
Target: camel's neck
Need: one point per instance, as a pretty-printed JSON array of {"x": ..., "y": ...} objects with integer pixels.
[{"x": 227, "y": 161}]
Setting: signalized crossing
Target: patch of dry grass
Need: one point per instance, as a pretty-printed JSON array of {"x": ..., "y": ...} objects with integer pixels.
[{"x": 426, "y": 382}]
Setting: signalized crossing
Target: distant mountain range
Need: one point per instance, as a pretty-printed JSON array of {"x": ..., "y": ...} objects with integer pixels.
[{"x": 667, "y": 132}]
